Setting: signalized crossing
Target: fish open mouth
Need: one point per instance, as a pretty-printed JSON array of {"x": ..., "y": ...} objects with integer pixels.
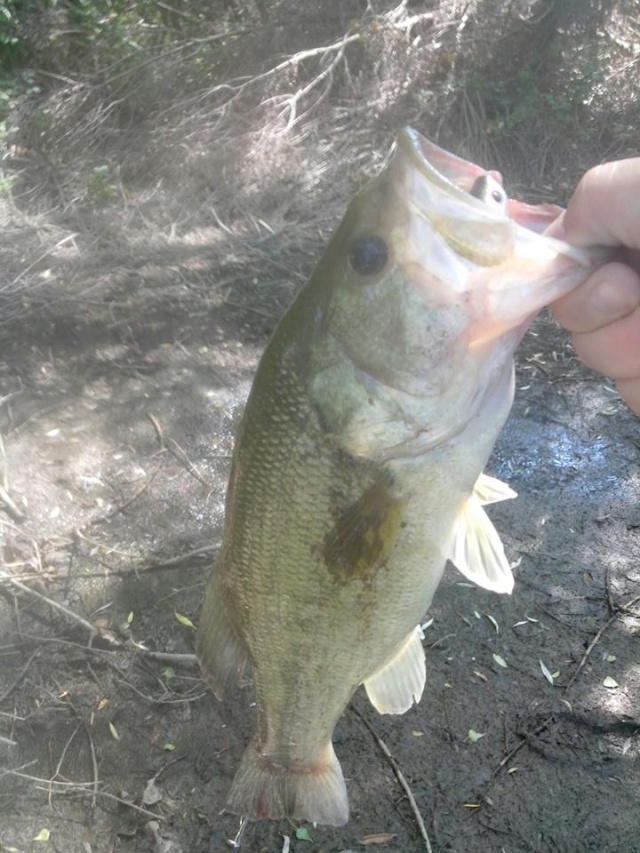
[{"x": 450, "y": 173}]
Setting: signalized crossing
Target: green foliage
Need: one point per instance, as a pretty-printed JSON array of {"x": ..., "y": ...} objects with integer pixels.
[
  {"x": 12, "y": 45},
  {"x": 100, "y": 186},
  {"x": 63, "y": 33},
  {"x": 520, "y": 103}
]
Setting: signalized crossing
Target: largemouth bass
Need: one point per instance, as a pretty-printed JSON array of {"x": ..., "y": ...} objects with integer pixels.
[{"x": 358, "y": 465}]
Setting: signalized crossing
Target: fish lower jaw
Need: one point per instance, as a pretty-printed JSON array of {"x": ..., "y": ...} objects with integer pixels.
[{"x": 266, "y": 789}]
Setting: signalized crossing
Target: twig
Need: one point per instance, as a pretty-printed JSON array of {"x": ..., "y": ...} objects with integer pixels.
[
  {"x": 174, "y": 448},
  {"x": 117, "y": 510},
  {"x": 238, "y": 86},
  {"x": 176, "y": 561},
  {"x": 519, "y": 746},
  {"x": 10, "y": 506},
  {"x": 83, "y": 788},
  {"x": 94, "y": 763},
  {"x": 166, "y": 657},
  {"x": 68, "y": 614},
  {"x": 399, "y": 776},
  {"x": 620, "y": 610},
  {"x": 607, "y": 586},
  {"x": 56, "y": 772},
  {"x": 16, "y": 681},
  {"x": 158, "y": 429},
  {"x": 292, "y": 101}
]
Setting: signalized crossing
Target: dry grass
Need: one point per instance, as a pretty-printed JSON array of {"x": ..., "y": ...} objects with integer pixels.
[{"x": 227, "y": 147}]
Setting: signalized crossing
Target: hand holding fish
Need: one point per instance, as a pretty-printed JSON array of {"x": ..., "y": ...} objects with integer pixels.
[{"x": 604, "y": 312}]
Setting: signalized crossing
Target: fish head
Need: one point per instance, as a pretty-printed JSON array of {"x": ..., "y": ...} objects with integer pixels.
[{"x": 429, "y": 285}]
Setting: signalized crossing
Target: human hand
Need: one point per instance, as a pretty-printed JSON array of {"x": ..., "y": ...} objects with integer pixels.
[{"x": 604, "y": 313}]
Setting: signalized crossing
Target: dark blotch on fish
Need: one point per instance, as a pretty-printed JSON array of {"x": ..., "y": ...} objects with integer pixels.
[{"x": 364, "y": 533}]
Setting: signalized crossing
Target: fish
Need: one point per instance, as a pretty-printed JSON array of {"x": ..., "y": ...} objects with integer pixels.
[{"x": 358, "y": 469}]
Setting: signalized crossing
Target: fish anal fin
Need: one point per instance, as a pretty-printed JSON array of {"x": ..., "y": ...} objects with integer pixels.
[
  {"x": 395, "y": 687},
  {"x": 266, "y": 790},
  {"x": 221, "y": 652}
]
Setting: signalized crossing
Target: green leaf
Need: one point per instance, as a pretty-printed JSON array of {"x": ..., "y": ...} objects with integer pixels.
[
  {"x": 302, "y": 834},
  {"x": 184, "y": 620},
  {"x": 475, "y": 736},
  {"x": 500, "y": 661},
  {"x": 169, "y": 672},
  {"x": 43, "y": 835}
]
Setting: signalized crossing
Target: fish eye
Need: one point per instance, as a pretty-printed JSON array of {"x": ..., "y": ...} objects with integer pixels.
[
  {"x": 497, "y": 196},
  {"x": 368, "y": 254}
]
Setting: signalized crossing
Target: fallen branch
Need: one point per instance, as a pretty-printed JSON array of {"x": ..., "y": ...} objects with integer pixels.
[
  {"x": 399, "y": 776},
  {"x": 68, "y": 614},
  {"x": 82, "y": 788}
]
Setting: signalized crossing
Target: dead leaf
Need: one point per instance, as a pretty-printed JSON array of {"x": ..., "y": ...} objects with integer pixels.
[
  {"x": 546, "y": 673},
  {"x": 609, "y": 682},
  {"x": 378, "y": 838},
  {"x": 493, "y": 622},
  {"x": 151, "y": 794},
  {"x": 500, "y": 661}
]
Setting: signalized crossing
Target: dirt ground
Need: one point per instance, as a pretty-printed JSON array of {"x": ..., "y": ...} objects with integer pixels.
[
  {"x": 121, "y": 381},
  {"x": 116, "y": 453}
]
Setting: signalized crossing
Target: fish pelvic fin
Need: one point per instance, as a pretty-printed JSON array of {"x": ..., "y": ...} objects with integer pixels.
[
  {"x": 266, "y": 790},
  {"x": 477, "y": 551},
  {"x": 221, "y": 653},
  {"x": 395, "y": 687}
]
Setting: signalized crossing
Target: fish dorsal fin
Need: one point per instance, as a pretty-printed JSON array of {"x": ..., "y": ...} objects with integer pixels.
[
  {"x": 477, "y": 550},
  {"x": 399, "y": 683}
]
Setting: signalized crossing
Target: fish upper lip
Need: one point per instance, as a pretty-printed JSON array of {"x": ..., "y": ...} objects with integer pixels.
[{"x": 410, "y": 144}]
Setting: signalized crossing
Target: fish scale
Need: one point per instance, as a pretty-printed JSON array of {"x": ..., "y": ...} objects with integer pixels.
[{"x": 358, "y": 466}]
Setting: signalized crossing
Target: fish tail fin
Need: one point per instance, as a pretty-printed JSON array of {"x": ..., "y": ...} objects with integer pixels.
[
  {"x": 265, "y": 790},
  {"x": 221, "y": 653}
]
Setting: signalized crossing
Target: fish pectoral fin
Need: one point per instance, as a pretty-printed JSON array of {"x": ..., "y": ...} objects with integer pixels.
[
  {"x": 477, "y": 551},
  {"x": 395, "y": 687},
  {"x": 489, "y": 490},
  {"x": 221, "y": 653}
]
